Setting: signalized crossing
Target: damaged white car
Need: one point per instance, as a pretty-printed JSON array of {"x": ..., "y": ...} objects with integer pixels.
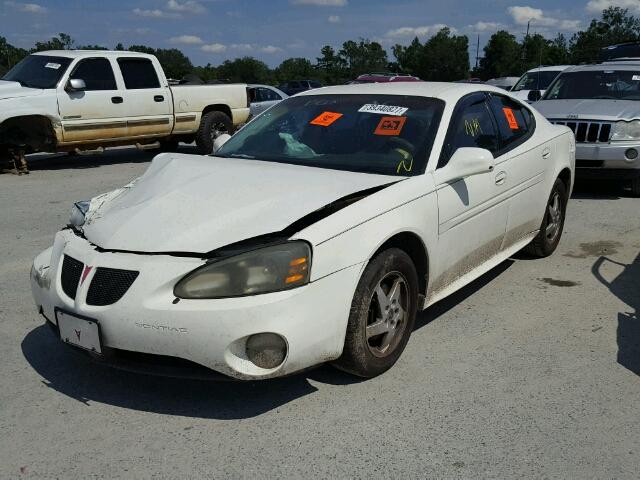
[{"x": 313, "y": 235}]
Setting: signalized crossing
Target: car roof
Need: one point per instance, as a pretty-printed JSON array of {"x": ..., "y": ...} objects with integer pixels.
[
  {"x": 92, "y": 53},
  {"x": 550, "y": 68},
  {"x": 446, "y": 91},
  {"x": 613, "y": 65}
]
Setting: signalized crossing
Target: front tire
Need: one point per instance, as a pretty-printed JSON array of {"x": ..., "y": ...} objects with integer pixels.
[
  {"x": 212, "y": 125},
  {"x": 382, "y": 315},
  {"x": 548, "y": 238}
]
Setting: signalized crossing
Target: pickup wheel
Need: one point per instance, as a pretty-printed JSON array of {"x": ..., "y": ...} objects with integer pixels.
[{"x": 212, "y": 125}]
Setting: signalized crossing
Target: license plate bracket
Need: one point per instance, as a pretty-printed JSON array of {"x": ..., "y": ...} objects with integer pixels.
[{"x": 79, "y": 331}]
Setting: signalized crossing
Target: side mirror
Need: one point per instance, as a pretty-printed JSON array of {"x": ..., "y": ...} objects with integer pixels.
[
  {"x": 76, "y": 85},
  {"x": 534, "y": 95},
  {"x": 465, "y": 162},
  {"x": 220, "y": 141}
]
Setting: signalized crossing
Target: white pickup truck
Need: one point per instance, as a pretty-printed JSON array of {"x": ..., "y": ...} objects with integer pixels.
[{"x": 65, "y": 101}]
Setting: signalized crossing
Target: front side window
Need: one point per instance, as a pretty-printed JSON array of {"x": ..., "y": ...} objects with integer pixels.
[
  {"x": 38, "y": 71},
  {"x": 536, "y": 80},
  {"x": 96, "y": 73},
  {"x": 138, "y": 73},
  {"x": 472, "y": 126},
  {"x": 382, "y": 134},
  {"x": 596, "y": 84},
  {"x": 515, "y": 121}
]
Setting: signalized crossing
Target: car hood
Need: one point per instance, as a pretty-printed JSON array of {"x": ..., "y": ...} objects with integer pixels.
[
  {"x": 15, "y": 90},
  {"x": 195, "y": 204},
  {"x": 590, "y": 109}
]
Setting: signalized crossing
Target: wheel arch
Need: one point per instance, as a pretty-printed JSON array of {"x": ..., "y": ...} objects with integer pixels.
[
  {"x": 565, "y": 176},
  {"x": 414, "y": 246},
  {"x": 36, "y": 132},
  {"x": 219, "y": 107}
]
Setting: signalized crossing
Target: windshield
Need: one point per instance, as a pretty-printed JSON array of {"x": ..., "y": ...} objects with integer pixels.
[
  {"x": 596, "y": 84},
  {"x": 535, "y": 80},
  {"x": 383, "y": 134},
  {"x": 38, "y": 71}
]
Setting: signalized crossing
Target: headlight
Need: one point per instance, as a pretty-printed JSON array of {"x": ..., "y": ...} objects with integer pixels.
[
  {"x": 269, "y": 269},
  {"x": 626, "y": 131},
  {"x": 78, "y": 212}
]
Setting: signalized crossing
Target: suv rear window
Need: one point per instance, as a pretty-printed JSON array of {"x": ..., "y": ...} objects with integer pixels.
[{"x": 138, "y": 73}]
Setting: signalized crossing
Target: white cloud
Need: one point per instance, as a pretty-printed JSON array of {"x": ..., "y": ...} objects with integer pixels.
[
  {"x": 596, "y": 6},
  {"x": 26, "y": 7},
  {"x": 189, "y": 6},
  {"x": 480, "y": 27},
  {"x": 270, "y": 49},
  {"x": 423, "y": 31},
  {"x": 155, "y": 13},
  {"x": 525, "y": 14},
  {"x": 186, "y": 40},
  {"x": 320, "y": 3},
  {"x": 334, "y": 19},
  {"x": 214, "y": 48}
]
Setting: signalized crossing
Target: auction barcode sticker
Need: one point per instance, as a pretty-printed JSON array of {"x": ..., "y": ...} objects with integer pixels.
[
  {"x": 383, "y": 109},
  {"x": 55, "y": 66}
]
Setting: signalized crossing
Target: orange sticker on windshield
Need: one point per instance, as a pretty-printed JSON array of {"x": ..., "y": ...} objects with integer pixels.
[
  {"x": 325, "y": 119},
  {"x": 391, "y": 126},
  {"x": 511, "y": 118}
]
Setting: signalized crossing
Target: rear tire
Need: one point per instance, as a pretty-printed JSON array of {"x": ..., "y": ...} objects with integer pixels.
[
  {"x": 212, "y": 125},
  {"x": 382, "y": 315},
  {"x": 548, "y": 238}
]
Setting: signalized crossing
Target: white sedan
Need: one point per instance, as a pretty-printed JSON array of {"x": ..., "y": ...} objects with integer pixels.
[{"x": 315, "y": 234}]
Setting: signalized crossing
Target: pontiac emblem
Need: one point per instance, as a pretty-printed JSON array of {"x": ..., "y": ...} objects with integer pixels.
[{"x": 85, "y": 273}]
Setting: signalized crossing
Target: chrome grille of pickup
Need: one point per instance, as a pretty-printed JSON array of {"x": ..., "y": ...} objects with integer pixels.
[{"x": 588, "y": 131}]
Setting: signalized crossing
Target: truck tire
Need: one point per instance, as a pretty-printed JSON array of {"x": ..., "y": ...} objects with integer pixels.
[{"x": 212, "y": 125}]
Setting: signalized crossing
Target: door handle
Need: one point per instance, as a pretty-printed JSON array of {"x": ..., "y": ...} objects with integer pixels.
[
  {"x": 116, "y": 100},
  {"x": 501, "y": 177},
  {"x": 546, "y": 153},
  {"x": 158, "y": 98}
]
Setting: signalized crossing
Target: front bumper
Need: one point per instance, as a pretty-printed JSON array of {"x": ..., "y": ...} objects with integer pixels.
[
  {"x": 607, "y": 160},
  {"x": 312, "y": 319}
]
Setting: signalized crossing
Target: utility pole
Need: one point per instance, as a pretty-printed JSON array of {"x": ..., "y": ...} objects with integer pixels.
[{"x": 477, "y": 52}]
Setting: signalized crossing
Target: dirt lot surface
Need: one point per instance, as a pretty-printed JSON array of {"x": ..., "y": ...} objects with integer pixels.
[{"x": 532, "y": 371}]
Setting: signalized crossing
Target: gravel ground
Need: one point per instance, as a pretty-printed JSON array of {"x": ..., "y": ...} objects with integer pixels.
[{"x": 531, "y": 371}]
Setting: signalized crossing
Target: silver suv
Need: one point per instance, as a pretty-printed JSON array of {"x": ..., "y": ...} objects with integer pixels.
[{"x": 601, "y": 104}]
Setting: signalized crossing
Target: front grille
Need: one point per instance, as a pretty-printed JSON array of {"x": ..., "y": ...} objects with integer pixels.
[
  {"x": 109, "y": 285},
  {"x": 70, "y": 276},
  {"x": 587, "y": 131}
]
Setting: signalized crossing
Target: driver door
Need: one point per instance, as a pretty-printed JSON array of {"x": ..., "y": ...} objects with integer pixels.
[
  {"x": 97, "y": 112},
  {"x": 472, "y": 211}
]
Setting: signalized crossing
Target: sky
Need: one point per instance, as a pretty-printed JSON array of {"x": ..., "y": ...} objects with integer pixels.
[{"x": 210, "y": 31}]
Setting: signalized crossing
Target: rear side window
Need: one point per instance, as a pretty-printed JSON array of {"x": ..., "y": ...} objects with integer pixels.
[
  {"x": 138, "y": 73},
  {"x": 96, "y": 73},
  {"x": 515, "y": 121},
  {"x": 472, "y": 126}
]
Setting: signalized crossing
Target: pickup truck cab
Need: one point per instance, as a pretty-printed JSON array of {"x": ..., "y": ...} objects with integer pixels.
[
  {"x": 86, "y": 100},
  {"x": 601, "y": 104}
]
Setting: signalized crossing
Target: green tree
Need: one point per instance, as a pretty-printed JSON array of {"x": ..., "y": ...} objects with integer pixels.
[
  {"x": 9, "y": 55},
  {"x": 174, "y": 63},
  {"x": 245, "y": 69},
  {"x": 331, "y": 66},
  {"x": 409, "y": 58},
  {"x": 502, "y": 56},
  {"x": 295, "y": 69},
  {"x": 363, "y": 56},
  {"x": 206, "y": 73},
  {"x": 62, "y": 42},
  {"x": 445, "y": 57},
  {"x": 615, "y": 26}
]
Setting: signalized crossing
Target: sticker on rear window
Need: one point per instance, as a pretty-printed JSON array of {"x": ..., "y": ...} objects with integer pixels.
[
  {"x": 390, "y": 126},
  {"x": 383, "y": 109},
  {"x": 511, "y": 118},
  {"x": 55, "y": 66},
  {"x": 636, "y": 78},
  {"x": 325, "y": 119}
]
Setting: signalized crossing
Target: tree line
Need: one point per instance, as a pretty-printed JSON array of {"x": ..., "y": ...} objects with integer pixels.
[{"x": 443, "y": 57}]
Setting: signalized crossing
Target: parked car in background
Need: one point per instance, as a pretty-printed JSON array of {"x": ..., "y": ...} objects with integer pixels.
[
  {"x": 296, "y": 86},
  {"x": 59, "y": 101},
  {"x": 314, "y": 234},
  {"x": 533, "y": 84},
  {"x": 505, "y": 83},
  {"x": 262, "y": 97},
  {"x": 601, "y": 104},
  {"x": 385, "y": 78},
  {"x": 621, "y": 51}
]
